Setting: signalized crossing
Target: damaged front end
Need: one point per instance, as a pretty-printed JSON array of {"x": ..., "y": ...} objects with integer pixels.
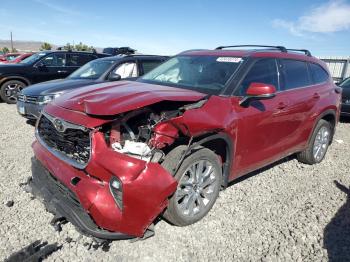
[
  {"x": 117, "y": 186},
  {"x": 148, "y": 132}
]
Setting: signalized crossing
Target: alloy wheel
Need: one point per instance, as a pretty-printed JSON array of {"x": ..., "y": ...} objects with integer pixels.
[
  {"x": 196, "y": 188},
  {"x": 12, "y": 90},
  {"x": 321, "y": 143}
]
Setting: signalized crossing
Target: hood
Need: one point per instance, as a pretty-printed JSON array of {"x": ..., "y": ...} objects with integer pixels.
[
  {"x": 113, "y": 98},
  {"x": 56, "y": 86}
]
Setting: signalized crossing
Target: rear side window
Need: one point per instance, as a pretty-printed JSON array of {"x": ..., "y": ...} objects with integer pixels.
[
  {"x": 79, "y": 59},
  {"x": 149, "y": 65},
  {"x": 295, "y": 74},
  {"x": 319, "y": 75},
  {"x": 263, "y": 71}
]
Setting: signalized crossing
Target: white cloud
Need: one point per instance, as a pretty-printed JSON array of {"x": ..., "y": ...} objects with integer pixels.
[
  {"x": 333, "y": 16},
  {"x": 57, "y": 8}
]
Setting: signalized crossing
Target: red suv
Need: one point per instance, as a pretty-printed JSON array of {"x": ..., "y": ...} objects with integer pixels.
[{"x": 112, "y": 157}]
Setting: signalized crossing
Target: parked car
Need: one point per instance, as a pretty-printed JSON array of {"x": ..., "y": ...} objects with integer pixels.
[
  {"x": 40, "y": 67},
  {"x": 32, "y": 99},
  {"x": 112, "y": 157},
  {"x": 345, "y": 107},
  {"x": 8, "y": 57},
  {"x": 17, "y": 59}
]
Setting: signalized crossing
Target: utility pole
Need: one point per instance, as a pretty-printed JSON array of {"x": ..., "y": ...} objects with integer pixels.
[{"x": 11, "y": 42}]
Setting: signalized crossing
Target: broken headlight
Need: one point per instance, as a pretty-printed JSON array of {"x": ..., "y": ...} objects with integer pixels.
[{"x": 115, "y": 186}]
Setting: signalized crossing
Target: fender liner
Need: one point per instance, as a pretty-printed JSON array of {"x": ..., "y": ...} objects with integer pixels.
[{"x": 229, "y": 152}]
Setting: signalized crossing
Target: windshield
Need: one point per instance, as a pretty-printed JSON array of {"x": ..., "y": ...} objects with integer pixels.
[
  {"x": 33, "y": 58},
  {"x": 206, "y": 74},
  {"x": 11, "y": 57},
  {"x": 345, "y": 83},
  {"x": 92, "y": 70}
]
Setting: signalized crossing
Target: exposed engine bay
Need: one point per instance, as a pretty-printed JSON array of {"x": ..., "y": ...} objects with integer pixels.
[{"x": 145, "y": 133}]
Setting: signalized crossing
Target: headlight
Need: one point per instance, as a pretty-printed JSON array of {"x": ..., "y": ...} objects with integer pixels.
[
  {"x": 115, "y": 186},
  {"x": 43, "y": 100}
]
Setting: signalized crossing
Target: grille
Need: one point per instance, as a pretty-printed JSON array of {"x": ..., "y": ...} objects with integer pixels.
[
  {"x": 28, "y": 99},
  {"x": 72, "y": 143}
]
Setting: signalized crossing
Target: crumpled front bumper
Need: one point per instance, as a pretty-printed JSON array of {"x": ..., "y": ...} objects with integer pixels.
[
  {"x": 146, "y": 189},
  {"x": 62, "y": 202}
]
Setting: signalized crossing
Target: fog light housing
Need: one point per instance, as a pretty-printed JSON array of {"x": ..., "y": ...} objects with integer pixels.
[{"x": 116, "y": 188}]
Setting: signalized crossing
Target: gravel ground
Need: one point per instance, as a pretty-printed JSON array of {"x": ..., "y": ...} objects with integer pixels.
[{"x": 288, "y": 212}]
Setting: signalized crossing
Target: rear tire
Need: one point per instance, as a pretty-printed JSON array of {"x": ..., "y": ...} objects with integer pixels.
[
  {"x": 199, "y": 181},
  {"x": 318, "y": 146},
  {"x": 10, "y": 90}
]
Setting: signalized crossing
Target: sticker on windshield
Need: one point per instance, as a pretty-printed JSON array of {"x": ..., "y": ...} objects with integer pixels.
[{"x": 229, "y": 59}]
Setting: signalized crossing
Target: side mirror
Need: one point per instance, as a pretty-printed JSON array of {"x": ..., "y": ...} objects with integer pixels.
[
  {"x": 258, "y": 91},
  {"x": 114, "y": 77},
  {"x": 40, "y": 65}
]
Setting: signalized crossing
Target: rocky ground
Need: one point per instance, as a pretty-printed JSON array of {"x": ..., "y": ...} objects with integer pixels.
[{"x": 287, "y": 212}]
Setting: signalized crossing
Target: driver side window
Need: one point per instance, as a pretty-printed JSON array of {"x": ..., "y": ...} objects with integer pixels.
[
  {"x": 126, "y": 70},
  {"x": 263, "y": 71},
  {"x": 54, "y": 60}
]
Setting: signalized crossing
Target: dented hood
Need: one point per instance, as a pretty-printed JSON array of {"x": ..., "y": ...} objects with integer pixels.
[{"x": 114, "y": 98}]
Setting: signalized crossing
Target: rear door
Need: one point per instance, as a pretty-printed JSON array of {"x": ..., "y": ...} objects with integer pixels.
[
  {"x": 297, "y": 84},
  {"x": 261, "y": 127},
  {"x": 51, "y": 66}
]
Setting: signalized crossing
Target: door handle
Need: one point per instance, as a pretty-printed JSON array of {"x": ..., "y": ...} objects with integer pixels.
[
  {"x": 316, "y": 96},
  {"x": 281, "y": 106},
  {"x": 61, "y": 71}
]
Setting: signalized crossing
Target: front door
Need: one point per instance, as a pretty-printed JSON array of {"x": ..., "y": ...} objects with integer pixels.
[
  {"x": 261, "y": 126},
  {"x": 50, "y": 67}
]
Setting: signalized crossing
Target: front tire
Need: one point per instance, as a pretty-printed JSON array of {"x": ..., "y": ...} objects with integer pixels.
[
  {"x": 320, "y": 140},
  {"x": 10, "y": 90},
  {"x": 199, "y": 180}
]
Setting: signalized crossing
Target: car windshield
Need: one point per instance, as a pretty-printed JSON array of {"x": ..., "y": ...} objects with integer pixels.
[
  {"x": 345, "y": 83},
  {"x": 33, "y": 58},
  {"x": 92, "y": 70},
  {"x": 11, "y": 57},
  {"x": 206, "y": 74}
]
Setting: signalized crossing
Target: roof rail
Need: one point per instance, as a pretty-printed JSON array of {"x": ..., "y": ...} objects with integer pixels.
[
  {"x": 305, "y": 51},
  {"x": 281, "y": 48}
]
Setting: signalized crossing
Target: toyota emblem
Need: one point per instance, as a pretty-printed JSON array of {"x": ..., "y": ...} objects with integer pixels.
[{"x": 59, "y": 125}]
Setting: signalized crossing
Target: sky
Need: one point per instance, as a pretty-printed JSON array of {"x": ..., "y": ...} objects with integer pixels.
[{"x": 169, "y": 27}]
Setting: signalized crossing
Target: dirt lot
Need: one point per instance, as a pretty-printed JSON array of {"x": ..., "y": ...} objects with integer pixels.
[{"x": 288, "y": 212}]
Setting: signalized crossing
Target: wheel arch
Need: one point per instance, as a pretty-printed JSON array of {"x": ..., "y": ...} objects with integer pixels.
[
  {"x": 220, "y": 144},
  {"x": 328, "y": 115},
  {"x": 19, "y": 78}
]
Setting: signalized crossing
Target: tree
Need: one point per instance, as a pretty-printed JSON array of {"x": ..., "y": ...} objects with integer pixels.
[
  {"x": 5, "y": 50},
  {"x": 68, "y": 46},
  {"x": 78, "y": 47},
  {"x": 45, "y": 46},
  {"x": 83, "y": 47}
]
